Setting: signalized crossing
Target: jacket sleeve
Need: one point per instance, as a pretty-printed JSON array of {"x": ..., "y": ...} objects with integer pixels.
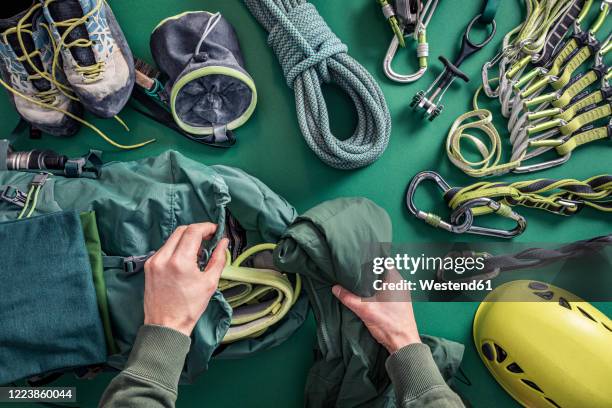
[
  {"x": 417, "y": 380},
  {"x": 151, "y": 375}
]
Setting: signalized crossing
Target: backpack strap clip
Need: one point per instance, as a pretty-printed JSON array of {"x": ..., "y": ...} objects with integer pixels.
[{"x": 14, "y": 196}]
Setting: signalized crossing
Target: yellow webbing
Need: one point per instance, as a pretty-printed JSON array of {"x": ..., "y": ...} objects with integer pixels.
[
  {"x": 245, "y": 290},
  {"x": 546, "y": 198}
]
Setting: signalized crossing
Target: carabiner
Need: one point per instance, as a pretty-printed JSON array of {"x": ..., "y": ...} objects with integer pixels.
[
  {"x": 464, "y": 210},
  {"x": 422, "y": 54},
  {"x": 433, "y": 219}
]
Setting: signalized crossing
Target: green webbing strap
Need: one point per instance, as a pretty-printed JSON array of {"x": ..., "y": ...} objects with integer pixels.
[
  {"x": 259, "y": 297},
  {"x": 582, "y": 138},
  {"x": 572, "y": 110},
  {"x": 311, "y": 55},
  {"x": 586, "y": 118},
  {"x": 572, "y": 65},
  {"x": 564, "y": 197},
  {"x": 575, "y": 88},
  {"x": 32, "y": 197},
  {"x": 488, "y": 11}
]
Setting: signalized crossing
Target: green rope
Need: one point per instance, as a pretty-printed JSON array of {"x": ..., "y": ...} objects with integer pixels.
[{"x": 310, "y": 55}]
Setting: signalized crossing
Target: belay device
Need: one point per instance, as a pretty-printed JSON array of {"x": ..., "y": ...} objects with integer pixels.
[
  {"x": 203, "y": 90},
  {"x": 429, "y": 101}
]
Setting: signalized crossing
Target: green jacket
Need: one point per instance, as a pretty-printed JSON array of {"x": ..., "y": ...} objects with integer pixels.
[{"x": 150, "y": 378}]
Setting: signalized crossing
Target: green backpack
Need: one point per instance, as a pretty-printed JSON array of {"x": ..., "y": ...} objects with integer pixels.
[{"x": 132, "y": 208}]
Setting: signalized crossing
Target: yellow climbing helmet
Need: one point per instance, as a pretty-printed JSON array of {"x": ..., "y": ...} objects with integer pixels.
[{"x": 545, "y": 346}]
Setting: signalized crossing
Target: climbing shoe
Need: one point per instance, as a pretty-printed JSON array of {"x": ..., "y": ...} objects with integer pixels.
[
  {"x": 26, "y": 54},
  {"x": 95, "y": 56}
]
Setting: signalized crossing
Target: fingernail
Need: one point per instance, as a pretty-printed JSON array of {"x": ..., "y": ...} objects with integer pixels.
[{"x": 336, "y": 289}]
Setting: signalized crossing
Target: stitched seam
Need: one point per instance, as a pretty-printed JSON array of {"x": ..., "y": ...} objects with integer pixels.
[
  {"x": 149, "y": 380},
  {"x": 425, "y": 391}
]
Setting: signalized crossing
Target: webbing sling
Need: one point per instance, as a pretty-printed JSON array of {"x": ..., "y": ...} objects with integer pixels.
[
  {"x": 259, "y": 297},
  {"x": 530, "y": 258},
  {"x": 311, "y": 55},
  {"x": 559, "y": 30}
]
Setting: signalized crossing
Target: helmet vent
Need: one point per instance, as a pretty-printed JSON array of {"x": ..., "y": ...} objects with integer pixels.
[
  {"x": 586, "y": 314},
  {"x": 563, "y": 302},
  {"x": 532, "y": 385},
  {"x": 514, "y": 368},
  {"x": 500, "y": 353},
  {"x": 604, "y": 325},
  {"x": 553, "y": 402}
]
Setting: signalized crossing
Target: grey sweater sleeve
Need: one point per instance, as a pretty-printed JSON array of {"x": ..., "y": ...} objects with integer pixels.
[
  {"x": 151, "y": 375},
  {"x": 417, "y": 380}
]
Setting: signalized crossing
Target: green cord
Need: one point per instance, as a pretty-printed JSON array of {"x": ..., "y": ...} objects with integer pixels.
[{"x": 27, "y": 203}]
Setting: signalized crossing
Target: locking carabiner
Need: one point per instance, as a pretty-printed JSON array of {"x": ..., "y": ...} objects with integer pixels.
[
  {"x": 456, "y": 226},
  {"x": 422, "y": 54},
  {"x": 465, "y": 209},
  {"x": 409, "y": 19}
]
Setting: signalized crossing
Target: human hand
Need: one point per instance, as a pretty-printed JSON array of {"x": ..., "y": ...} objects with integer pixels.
[
  {"x": 390, "y": 321},
  {"x": 176, "y": 291}
]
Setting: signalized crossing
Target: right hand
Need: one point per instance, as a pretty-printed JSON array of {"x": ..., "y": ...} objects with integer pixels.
[
  {"x": 176, "y": 292},
  {"x": 390, "y": 322}
]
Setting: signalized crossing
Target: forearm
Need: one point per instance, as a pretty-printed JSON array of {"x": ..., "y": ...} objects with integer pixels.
[
  {"x": 417, "y": 381},
  {"x": 151, "y": 375}
]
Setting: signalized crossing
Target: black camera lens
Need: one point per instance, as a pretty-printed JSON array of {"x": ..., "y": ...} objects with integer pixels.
[{"x": 36, "y": 160}]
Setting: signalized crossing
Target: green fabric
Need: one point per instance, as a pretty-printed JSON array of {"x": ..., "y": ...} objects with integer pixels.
[
  {"x": 151, "y": 375},
  {"x": 488, "y": 11},
  {"x": 271, "y": 148},
  {"x": 92, "y": 243},
  {"x": 324, "y": 245},
  {"x": 138, "y": 205},
  {"x": 48, "y": 310},
  {"x": 417, "y": 380}
]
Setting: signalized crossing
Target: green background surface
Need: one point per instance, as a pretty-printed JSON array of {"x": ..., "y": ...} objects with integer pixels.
[{"x": 271, "y": 148}]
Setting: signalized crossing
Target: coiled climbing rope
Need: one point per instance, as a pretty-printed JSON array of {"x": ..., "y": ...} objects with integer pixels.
[{"x": 311, "y": 55}]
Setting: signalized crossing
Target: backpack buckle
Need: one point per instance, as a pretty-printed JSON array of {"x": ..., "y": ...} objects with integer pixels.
[
  {"x": 14, "y": 196},
  {"x": 135, "y": 264}
]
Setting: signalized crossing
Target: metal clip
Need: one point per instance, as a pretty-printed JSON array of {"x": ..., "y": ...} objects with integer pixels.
[
  {"x": 135, "y": 264},
  {"x": 14, "y": 196},
  {"x": 465, "y": 209},
  {"x": 433, "y": 219},
  {"x": 422, "y": 52},
  {"x": 568, "y": 206}
]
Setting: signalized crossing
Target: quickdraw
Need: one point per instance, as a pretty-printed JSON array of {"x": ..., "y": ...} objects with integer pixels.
[
  {"x": 562, "y": 120},
  {"x": 429, "y": 101},
  {"x": 409, "y": 18},
  {"x": 562, "y": 197}
]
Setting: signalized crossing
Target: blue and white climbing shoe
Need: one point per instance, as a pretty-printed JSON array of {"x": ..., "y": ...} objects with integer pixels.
[
  {"x": 95, "y": 56},
  {"x": 26, "y": 58}
]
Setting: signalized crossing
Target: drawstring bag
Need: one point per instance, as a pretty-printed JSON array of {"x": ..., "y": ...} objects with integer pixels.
[{"x": 206, "y": 89}]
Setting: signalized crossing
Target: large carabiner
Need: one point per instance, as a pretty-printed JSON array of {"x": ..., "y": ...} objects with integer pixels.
[
  {"x": 457, "y": 226},
  {"x": 422, "y": 54}
]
